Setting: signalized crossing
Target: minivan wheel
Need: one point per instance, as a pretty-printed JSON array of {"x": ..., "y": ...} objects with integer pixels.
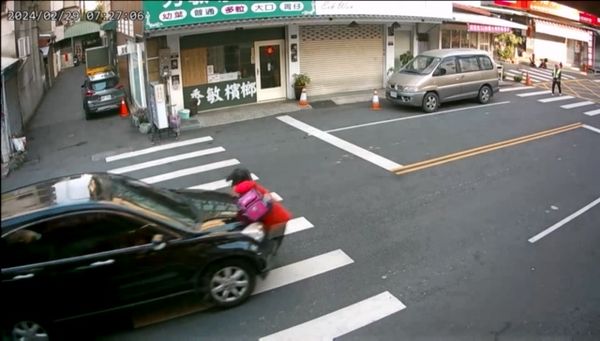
[
  {"x": 230, "y": 282},
  {"x": 430, "y": 102},
  {"x": 29, "y": 330},
  {"x": 485, "y": 94}
]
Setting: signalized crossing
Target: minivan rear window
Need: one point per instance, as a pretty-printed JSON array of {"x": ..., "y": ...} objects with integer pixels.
[{"x": 485, "y": 62}]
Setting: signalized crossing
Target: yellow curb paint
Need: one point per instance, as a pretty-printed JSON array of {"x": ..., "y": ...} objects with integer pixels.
[{"x": 483, "y": 149}]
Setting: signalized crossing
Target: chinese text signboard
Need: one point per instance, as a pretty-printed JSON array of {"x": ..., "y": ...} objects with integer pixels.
[
  {"x": 221, "y": 94},
  {"x": 162, "y": 14}
]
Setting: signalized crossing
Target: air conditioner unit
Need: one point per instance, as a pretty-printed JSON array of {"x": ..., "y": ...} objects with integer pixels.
[{"x": 24, "y": 46}]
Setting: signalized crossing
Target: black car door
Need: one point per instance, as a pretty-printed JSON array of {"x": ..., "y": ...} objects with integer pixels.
[{"x": 154, "y": 261}]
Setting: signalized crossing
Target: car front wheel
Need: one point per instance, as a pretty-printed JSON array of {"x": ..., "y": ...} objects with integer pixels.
[
  {"x": 430, "y": 102},
  {"x": 230, "y": 283},
  {"x": 485, "y": 94},
  {"x": 29, "y": 330}
]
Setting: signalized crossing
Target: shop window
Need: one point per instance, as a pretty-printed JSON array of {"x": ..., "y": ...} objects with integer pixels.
[
  {"x": 230, "y": 59},
  {"x": 153, "y": 46},
  {"x": 446, "y": 39},
  {"x": 455, "y": 38}
]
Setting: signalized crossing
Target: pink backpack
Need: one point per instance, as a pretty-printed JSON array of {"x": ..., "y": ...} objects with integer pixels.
[{"x": 253, "y": 205}]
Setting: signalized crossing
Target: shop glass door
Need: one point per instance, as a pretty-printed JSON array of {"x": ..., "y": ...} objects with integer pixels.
[{"x": 270, "y": 73}]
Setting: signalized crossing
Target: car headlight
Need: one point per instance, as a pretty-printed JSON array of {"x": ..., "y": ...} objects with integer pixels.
[
  {"x": 409, "y": 89},
  {"x": 255, "y": 231}
]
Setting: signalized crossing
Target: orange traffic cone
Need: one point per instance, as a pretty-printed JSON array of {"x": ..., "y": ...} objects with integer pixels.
[
  {"x": 303, "y": 99},
  {"x": 124, "y": 112},
  {"x": 528, "y": 80},
  {"x": 375, "y": 101}
]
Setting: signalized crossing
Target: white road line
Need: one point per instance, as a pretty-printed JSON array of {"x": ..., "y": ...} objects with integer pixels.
[
  {"x": 554, "y": 99},
  {"x": 562, "y": 222},
  {"x": 576, "y": 105},
  {"x": 592, "y": 113},
  {"x": 537, "y": 93},
  {"x": 343, "y": 321},
  {"x": 411, "y": 117},
  {"x": 594, "y": 129},
  {"x": 303, "y": 269},
  {"x": 217, "y": 185},
  {"x": 297, "y": 225},
  {"x": 342, "y": 144},
  {"x": 192, "y": 170},
  {"x": 166, "y": 160},
  {"x": 158, "y": 148},
  {"x": 276, "y": 196},
  {"x": 516, "y": 88},
  {"x": 532, "y": 76},
  {"x": 597, "y": 80}
]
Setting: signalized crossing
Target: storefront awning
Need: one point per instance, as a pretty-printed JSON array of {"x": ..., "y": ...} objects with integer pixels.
[
  {"x": 81, "y": 28},
  {"x": 559, "y": 30},
  {"x": 487, "y": 21},
  {"x": 7, "y": 62}
]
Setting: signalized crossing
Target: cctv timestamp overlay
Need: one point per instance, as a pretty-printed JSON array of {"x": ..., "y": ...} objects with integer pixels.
[{"x": 63, "y": 16}]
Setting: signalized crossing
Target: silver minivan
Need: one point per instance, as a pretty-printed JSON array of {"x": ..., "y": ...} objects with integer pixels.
[{"x": 444, "y": 75}]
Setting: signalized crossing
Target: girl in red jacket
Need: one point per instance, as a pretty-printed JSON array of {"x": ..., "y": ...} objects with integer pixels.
[{"x": 274, "y": 221}]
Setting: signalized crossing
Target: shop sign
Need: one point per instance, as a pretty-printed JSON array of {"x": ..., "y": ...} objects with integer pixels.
[
  {"x": 427, "y": 9},
  {"x": 553, "y": 8},
  {"x": 221, "y": 94},
  {"x": 589, "y": 19},
  {"x": 487, "y": 28},
  {"x": 162, "y": 14}
]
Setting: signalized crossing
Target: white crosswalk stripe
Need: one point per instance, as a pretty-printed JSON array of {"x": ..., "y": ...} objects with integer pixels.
[
  {"x": 158, "y": 148},
  {"x": 537, "y": 93},
  {"x": 554, "y": 99},
  {"x": 592, "y": 113},
  {"x": 190, "y": 171},
  {"x": 576, "y": 105},
  {"x": 516, "y": 88},
  {"x": 303, "y": 269},
  {"x": 166, "y": 160},
  {"x": 597, "y": 80},
  {"x": 342, "y": 321}
]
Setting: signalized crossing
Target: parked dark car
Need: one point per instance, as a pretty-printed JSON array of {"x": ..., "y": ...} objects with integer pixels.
[
  {"x": 101, "y": 92},
  {"x": 95, "y": 243}
]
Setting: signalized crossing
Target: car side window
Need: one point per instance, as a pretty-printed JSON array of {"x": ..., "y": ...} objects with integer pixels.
[
  {"x": 76, "y": 235},
  {"x": 468, "y": 64},
  {"x": 485, "y": 62},
  {"x": 446, "y": 67}
]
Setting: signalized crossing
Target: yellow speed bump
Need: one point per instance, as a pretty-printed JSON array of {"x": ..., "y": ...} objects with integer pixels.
[{"x": 483, "y": 149}]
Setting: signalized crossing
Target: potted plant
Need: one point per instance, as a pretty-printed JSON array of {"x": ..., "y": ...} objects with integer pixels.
[{"x": 300, "y": 81}]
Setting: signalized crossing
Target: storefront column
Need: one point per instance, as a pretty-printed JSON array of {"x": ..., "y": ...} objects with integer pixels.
[
  {"x": 174, "y": 81},
  {"x": 389, "y": 52},
  {"x": 293, "y": 63}
]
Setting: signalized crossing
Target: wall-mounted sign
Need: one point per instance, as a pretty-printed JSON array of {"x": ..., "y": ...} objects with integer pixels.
[
  {"x": 122, "y": 50},
  {"x": 162, "y": 14},
  {"x": 427, "y": 9},
  {"x": 222, "y": 94}
]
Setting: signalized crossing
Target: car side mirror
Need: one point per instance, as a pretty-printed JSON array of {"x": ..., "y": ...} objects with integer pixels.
[{"x": 158, "y": 242}]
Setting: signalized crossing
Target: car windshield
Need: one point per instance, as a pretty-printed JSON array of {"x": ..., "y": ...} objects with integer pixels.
[
  {"x": 421, "y": 65},
  {"x": 156, "y": 202},
  {"x": 104, "y": 84}
]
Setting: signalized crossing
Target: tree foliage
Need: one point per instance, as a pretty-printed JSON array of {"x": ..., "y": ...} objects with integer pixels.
[{"x": 506, "y": 43}]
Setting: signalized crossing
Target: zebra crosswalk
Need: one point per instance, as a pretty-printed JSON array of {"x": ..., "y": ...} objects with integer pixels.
[
  {"x": 575, "y": 102},
  {"x": 536, "y": 75},
  {"x": 190, "y": 164}
]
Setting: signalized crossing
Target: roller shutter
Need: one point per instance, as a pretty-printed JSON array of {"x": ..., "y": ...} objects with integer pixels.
[{"x": 341, "y": 58}]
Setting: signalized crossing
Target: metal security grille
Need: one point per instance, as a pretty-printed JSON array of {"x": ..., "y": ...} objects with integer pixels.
[{"x": 341, "y": 58}]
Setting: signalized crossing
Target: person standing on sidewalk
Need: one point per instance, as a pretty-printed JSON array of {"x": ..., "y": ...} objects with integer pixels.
[{"x": 556, "y": 75}]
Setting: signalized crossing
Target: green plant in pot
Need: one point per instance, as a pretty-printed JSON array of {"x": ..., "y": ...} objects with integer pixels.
[{"x": 300, "y": 81}]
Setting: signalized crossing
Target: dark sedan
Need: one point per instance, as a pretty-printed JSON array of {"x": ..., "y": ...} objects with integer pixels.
[{"x": 94, "y": 243}]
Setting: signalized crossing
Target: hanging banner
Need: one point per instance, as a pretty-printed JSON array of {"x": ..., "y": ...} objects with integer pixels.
[
  {"x": 487, "y": 28},
  {"x": 163, "y": 14}
]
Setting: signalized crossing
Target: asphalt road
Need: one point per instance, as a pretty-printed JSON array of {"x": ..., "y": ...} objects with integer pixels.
[{"x": 440, "y": 253}]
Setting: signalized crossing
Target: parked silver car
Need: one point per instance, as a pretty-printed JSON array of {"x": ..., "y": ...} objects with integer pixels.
[
  {"x": 101, "y": 92},
  {"x": 444, "y": 75}
]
